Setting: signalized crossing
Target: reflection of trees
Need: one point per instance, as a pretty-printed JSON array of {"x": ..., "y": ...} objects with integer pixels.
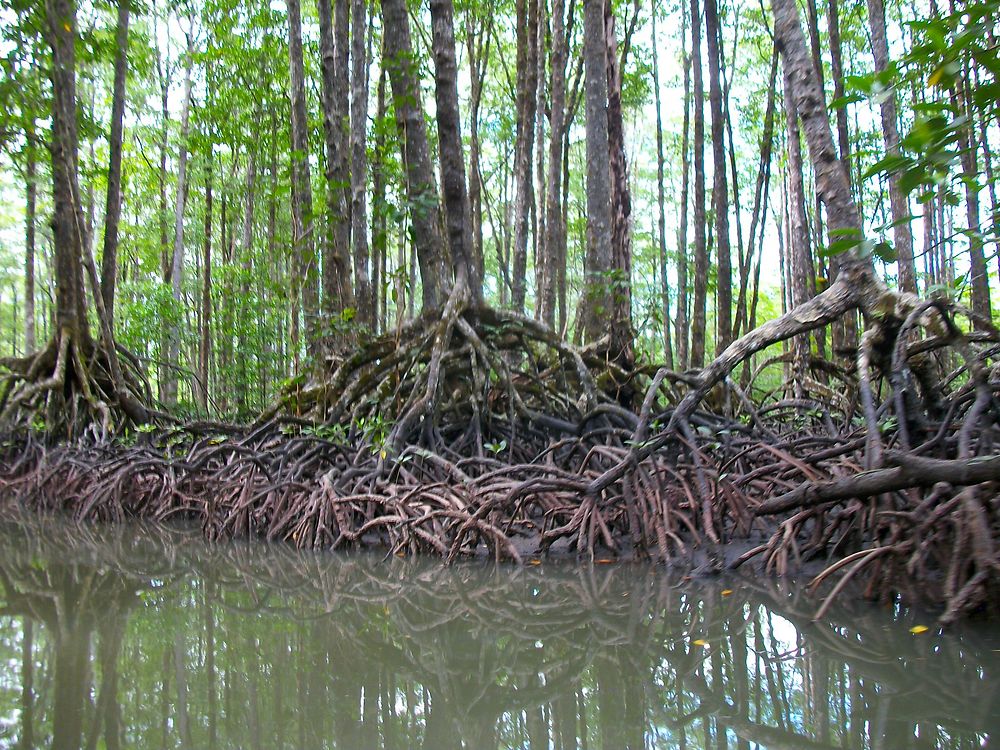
[{"x": 240, "y": 646}]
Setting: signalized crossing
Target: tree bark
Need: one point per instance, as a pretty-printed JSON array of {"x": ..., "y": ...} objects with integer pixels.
[
  {"x": 30, "y": 190},
  {"x": 622, "y": 337},
  {"x": 338, "y": 293},
  {"x": 700, "y": 304},
  {"x": 554, "y": 229},
  {"x": 720, "y": 187},
  {"x": 359, "y": 164},
  {"x": 177, "y": 264},
  {"x": 420, "y": 188},
  {"x": 456, "y": 197},
  {"x": 899, "y": 205},
  {"x": 113, "y": 206},
  {"x": 596, "y": 303},
  {"x": 682, "y": 231},
  {"x": 205, "y": 337},
  {"x": 661, "y": 216},
  {"x": 304, "y": 271},
  {"x": 527, "y": 103},
  {"x": 478, "y": 38}
]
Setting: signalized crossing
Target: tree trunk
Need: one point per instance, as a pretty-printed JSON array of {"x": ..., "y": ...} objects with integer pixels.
[
  {"x": 596, "y": 303},
  {"x": 67, "y": 216},
  {"x": 902, "y": 234},
  {"x": 798, "y": 239},
  {"x": 978, "y": 275},
  {"x": 30, "y": 189},
  {"x": 113, "y": 206},
  {"x": 478, "y": 39},
  {"x": 456, "y": 198},
  {"x": 338, "y": 292},
  {"x": 661, "y": 216},
  {"x": 682, "y": 231},
  {"x": 420, "y": 188},
  {"x": 554, "y": 229},
  {"x": 720, "y": 187},
  {"x": 304, "y": 270},
  {"x": 359, "y": 164},
  {"x": 622, "y": 338},
  {"x": 205, "y": 337},
  {"x": 699, "y": 311},
  {"x": 527, "y": 102},
  {"x": 177, "y": 265}
]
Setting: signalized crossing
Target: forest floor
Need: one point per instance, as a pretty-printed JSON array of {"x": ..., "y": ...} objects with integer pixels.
[{"x": 483, "y": 434}]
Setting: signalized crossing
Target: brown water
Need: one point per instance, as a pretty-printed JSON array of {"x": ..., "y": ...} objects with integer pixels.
[{"x": 136, "y": 638}]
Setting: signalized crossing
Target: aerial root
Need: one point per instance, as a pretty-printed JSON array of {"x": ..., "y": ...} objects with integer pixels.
[{"x": 481, "y": 433}]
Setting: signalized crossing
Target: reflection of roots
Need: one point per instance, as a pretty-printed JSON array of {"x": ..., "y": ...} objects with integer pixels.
[
  {"x": 481, "y": 433},
  {"x": 70, "y": 386}
]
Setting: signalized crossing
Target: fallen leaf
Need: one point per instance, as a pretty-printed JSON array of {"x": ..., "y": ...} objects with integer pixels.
[
  {"x": 604, "y": 560},
  {"x": 918, "y": 629},
  {"x": 727, "y": 592},
  {"x": 534, "y": 562},
  {"x": 700, "y": 642}
]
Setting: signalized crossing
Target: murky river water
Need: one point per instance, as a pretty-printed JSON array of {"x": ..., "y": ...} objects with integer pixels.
[{"x": 142, "y": 639}]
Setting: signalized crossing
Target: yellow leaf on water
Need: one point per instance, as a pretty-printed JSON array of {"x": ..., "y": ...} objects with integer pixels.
[
  {"x": 918, "y": 629},
  {"x": 534, "y": 562},
  {"x": 700, "y": 642},
  {"x": 604, "y": 560},
  {"x": 67, "y": 26},
  {"x": 727, "y": 592}
]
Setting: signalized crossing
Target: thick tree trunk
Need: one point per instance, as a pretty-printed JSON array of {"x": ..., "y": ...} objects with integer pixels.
[
  {"x": 700, "y": 304},
  {"x": 113, "y": 206},
  {"x": 899, "y": 205},
  {"x": 338, "y": 292},
  {"x": 67, "y": 216},
  {"x": 359, "y": 164},
  {"x": 456, "y": 198},
  {"x": 720, "y": 187},
  {"x": 420, "y": 188},
  {"x": 304, "y": 271},
  {"x": 527, "y": 103}
]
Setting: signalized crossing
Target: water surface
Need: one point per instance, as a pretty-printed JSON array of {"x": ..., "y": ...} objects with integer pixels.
[{"x": 133, "y": 637}]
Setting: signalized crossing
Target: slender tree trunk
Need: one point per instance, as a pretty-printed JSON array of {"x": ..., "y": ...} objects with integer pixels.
[
  {"x": 699, "y": 311},
  {"x": 798, "y": 266},
  {"x": 682, "y": 232},
  {"x": 456, "y": 198},
  {"x": 113, "y": 206},
  {"x": 978, "y": 275},
  {"x": 431, "y": 251},
  {"x": 720, "y": 187},
  {"x": 30, "y": 189},
  {"x": 596, "y": 303},
  {"x": 304, "y": 270},
  {"x": 177, "y": 266},
  {"x": 359, "y": 163},
  {"x": 661, "y": 216},
  {"x": 205, "y": 337},
  {"x": 901, "y": 231},
  {"x": 554, "y": 229},
  {"x": 527, "y": 101},
  {"x": 380, "y": 209},
  {"x": 478, "y": 40},
  {"x": 622, "y": 337},
  {"x": 760, "y": 193},
  {"x": 337, "y": 290}
]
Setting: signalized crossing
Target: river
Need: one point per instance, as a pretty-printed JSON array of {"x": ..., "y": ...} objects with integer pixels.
[{"x": 139, "y": 637}]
